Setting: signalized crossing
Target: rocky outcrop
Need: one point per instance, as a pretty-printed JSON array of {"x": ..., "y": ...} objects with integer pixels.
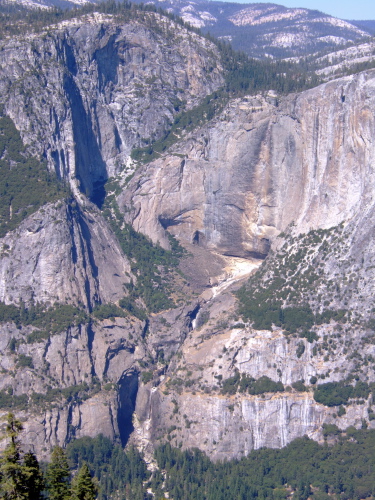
[
  {"x": 78, "y": 383},
  {"x": 87, "y": 91},
  {"x": 63, "y": 253},
  {"x": 263, "y": 164},
  {"x": 226, "y": 428},
  {"x": 85, "y": 380},
  {"x": 83, "y": 94},
  {"x": 191, "y": 409},
  {"x": 304, "y": 162}
]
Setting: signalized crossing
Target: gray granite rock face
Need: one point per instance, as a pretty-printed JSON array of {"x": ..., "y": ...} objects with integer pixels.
[
  {"x": 258, "y": 167},
  {"x": 102, "y": 356},
  {"x": 85, "y": 92},
  {"x": 190, "y": 408},
  {"x": 83, "y": 95},
  {"x": 63, "y": 254},
  {"x": 231, "y": 187}
]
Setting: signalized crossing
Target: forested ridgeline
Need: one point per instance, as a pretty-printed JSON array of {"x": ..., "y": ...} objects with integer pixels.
[
  {"x": 96, "y": 468},
  {"x": 18, "y": 20}
]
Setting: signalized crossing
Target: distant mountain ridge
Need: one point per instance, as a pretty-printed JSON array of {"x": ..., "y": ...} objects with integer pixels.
[
  {"x": 272, "y": 30},
  {"x": 259, "y": 29},
  {"x": 366, "y": 25}
]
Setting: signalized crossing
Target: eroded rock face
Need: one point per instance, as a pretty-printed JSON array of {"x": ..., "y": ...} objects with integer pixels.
[
  {"x": 259, "y": 167},
  {"x": 102, "y": 359},
  {"x": 226, "y": 428},
  {"x": 85, "y": 92},
  {"x": 226, "y": 190},
  {"x": 58, "y": 426},
  {"x": 85, "y": 380},
  {"x": 63, "y": 254},
  {"x": 231, "y": 188},
  {"x": 190, "y": 407}
]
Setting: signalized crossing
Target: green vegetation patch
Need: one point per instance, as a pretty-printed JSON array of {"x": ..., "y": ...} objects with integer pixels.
[
  {"x": 339, "y": 393},
  {"x": 53, "y": 396},
  {"x": 108, "y": 311},
  {"x": 153, "y": 266},
  {"x": 283, "y": 292},
  {"x": 10, "y": 401},
  {"x": 76, "y": 393},
  {"x": 25, "y": 183},
  {"x": 246, "y": 75},
  {"x": 121, "y": 474},
  {"x": 245, "y": 383},
  {"x": 24, "y": 361},
  {"x": 303, "y": 469},
  {"x": 264, "y": 310},
  {"x": 48, "y": 321},
  {"x": 146, "y": 376}
]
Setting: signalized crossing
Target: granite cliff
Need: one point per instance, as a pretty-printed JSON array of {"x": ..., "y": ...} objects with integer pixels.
[
  {"x": 283, "y": 180},
  {"x": 87, "y": 91},
  {"x": 73, "y": 92},
  {"x": 261, "y": 165},
  {"x": 294, "y": 175}
]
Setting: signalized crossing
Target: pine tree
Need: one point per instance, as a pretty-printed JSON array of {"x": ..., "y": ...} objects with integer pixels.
[
  {"x": 34, "y": 476},
  {"x": 12, "y": 471},
  {"x": 58, "y": 475},
  {"x": 83, "y": 486}
]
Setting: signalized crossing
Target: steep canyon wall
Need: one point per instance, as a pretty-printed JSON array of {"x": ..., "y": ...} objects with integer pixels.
[{"x": 83, "y": 95}]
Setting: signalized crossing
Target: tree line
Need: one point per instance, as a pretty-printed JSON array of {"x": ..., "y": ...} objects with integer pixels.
[
  {"x": 303, "y": 470},
  {"x": 343, "y": 467},
  {"x": 22, "y": 478},
  {"x": 87, "y": 469}
]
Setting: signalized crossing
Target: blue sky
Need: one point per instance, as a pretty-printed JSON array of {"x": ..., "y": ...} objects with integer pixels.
[{"x": 344, "y": 9}]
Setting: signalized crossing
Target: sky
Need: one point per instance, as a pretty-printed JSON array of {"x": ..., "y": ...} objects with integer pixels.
[{"x": 344, "y": 9}]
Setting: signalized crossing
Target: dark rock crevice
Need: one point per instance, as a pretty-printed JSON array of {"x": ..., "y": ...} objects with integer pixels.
[
  {"x": 193, "y": 315},
  {"x": 108, "y": 60},
  {"x": 127, "y": 394},
  {"x": 90, "y": 166},
  {"x": 90, "y": 341},
  {"x": 199, "y": 239},
  {"x": 169, "y": 221}
]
